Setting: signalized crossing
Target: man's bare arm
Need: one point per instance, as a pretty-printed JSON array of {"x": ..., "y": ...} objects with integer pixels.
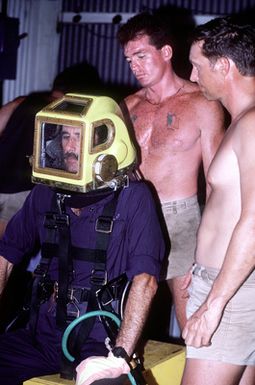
[
  {"x": 7, "y": 110},
  {"x": 139, "y": 300},
  {"x": 142, "y": 291},
  {"x": 239, "y": 261},
  {"x": 5, "y": 271},
  {"x": 238, "y": 264}
]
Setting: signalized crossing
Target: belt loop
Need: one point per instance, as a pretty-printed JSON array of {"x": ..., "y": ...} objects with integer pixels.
[
  {"x": 193, "y": 268},
  {"x": 200, "y": 271}
]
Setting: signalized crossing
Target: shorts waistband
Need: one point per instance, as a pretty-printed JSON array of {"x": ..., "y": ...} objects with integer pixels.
[
  {"x": 211, "y": 273},
  {"x": 180, "y": 203},
  {"x": 205, "y": 272}
]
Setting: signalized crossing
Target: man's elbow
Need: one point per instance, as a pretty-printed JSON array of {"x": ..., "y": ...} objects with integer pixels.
[
  {"x": 147, "y": 281},
  {"x": 5, "y": 271}
]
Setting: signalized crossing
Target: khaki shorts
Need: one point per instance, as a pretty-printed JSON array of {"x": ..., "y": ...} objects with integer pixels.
[
  {"x": 11, "y": 203},
  {"x": 182, "y": 219},
  {"x": 234, "y": 340}
]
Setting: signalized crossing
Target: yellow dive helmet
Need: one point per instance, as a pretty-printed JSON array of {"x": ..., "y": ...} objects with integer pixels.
[{"x": 81, "y": 143}]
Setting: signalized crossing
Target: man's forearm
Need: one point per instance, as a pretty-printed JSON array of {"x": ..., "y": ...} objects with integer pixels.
[
  {"x": 239, "y": 262},
  {"x": 137, "y": 308},
  {"x": 5, "y": 271}
]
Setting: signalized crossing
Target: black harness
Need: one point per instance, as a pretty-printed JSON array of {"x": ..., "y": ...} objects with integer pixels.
[
  {"x": 73, "y": 301},
  {"x": 68, "y": 298}
]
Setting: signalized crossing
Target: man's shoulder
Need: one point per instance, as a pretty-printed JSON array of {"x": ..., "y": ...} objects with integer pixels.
[
  {"x": 137, "y": 190},
  {"x": 249, "y": 113},
  {"x": 200, "y": 103},
  {"x": 193, "y": 92},
  {"x": 136, "y": 185},
  {"x": 133, "y": 99},
  {"x": 245, "y": 121},
  {"x": 12, "y": 105},
  {"x": 41, "y": 192}
]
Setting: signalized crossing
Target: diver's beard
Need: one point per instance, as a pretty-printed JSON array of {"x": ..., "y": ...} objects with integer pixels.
[
  {"x": 71, "y": 155},
  {"x": 71, "y": 162}
]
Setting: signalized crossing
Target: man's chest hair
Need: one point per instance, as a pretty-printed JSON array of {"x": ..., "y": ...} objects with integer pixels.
[
  {"x": 165, "y": 127},
  {"x": 166, "y": 114}
]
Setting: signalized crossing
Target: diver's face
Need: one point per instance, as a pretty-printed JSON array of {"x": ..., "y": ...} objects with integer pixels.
[{"x": 71, "y": 142}]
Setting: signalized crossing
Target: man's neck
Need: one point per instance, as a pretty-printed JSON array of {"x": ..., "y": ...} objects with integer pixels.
[
  {"x": 157, "y": 94},
  {"x": 239, "y": 97}
]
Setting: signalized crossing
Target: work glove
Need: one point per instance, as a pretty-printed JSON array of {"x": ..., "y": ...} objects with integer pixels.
[{"x": 97, "y": 368}]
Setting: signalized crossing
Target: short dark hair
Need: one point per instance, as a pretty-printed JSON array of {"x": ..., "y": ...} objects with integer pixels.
[
  {"x": 224, "y": 36},
  {"x": 145, "y": 23},
  {"x": 78, "y": 78}
]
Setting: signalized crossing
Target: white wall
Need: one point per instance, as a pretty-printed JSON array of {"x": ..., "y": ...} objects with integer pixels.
[{"x": 38, "y": 52}]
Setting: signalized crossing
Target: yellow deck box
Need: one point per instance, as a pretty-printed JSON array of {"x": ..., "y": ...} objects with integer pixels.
[{"x": 163, "y": 363}]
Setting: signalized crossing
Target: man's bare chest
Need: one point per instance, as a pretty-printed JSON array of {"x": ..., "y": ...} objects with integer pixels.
[
  {"x": 169, "y": 127},
  {"x": 224, "y": 170}
]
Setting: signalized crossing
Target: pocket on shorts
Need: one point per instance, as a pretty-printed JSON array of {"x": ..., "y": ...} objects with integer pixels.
[{"x": 198, "y": 291}]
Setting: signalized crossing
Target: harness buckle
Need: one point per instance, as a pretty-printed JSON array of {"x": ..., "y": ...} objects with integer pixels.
[
  {"x": 41, "y": 269},
  {"x": 104, "y": 224},
  {"x": 73, "y": 311},
  {"x": 74, "y": 294},
  {"x": 55, "y": 290},
  {"x": 98, "y": 277},
  {"x": 106, "y": 297},
  {"x": 45, "y": 289},
  {"x": 53, "y": 220}
]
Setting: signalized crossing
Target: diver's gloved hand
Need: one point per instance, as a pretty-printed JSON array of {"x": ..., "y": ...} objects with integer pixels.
[{"x": 96, "y": 368}]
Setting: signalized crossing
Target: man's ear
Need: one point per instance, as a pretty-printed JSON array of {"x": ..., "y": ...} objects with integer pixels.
[
  {"x": 222, "y": 65},
  {"x": 167, "y": 52}
]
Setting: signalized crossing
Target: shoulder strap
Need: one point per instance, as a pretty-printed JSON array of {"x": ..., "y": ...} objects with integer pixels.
[{"x": 104, "y": 227}]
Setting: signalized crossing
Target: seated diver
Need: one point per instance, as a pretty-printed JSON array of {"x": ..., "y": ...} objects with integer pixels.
[{"x": 93, "y": 223}]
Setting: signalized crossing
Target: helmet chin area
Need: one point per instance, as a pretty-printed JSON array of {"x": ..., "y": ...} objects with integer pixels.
[{"x": 81, "y": 143}]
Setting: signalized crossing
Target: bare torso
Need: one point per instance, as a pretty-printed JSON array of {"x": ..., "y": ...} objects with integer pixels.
[
  {"x": 223, "y": 207},
  {"x": 169, "y": 137}
]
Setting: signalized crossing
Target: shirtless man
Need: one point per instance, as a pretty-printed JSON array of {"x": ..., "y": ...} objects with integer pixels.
[
  {"x": 220, "y": 334},
  {"x": 176, "y": 128}
]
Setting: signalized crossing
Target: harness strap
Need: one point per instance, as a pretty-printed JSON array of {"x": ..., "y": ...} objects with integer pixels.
[
  {"x": 110, "y": 298},
  {"x": 77, "y": 253},
  {"x": 63, "y": 267},
  {"x": 104, "y": 226},
  {"x": 58, "y": 243}
]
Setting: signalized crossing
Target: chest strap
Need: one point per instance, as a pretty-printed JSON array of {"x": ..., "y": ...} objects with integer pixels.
[
  {"x": 98, "y": 278},
  {"x": 58, "y": 244}
]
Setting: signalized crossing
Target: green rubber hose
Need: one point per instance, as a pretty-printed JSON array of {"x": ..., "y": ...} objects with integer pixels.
[{"x": 72, "y": 325}]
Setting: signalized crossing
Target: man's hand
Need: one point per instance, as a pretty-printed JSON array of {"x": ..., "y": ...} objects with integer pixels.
[
  {"x": 201, "y": 326},
  {"x": 96, "y": 368},
  {"x": 186, "y": 281}
]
